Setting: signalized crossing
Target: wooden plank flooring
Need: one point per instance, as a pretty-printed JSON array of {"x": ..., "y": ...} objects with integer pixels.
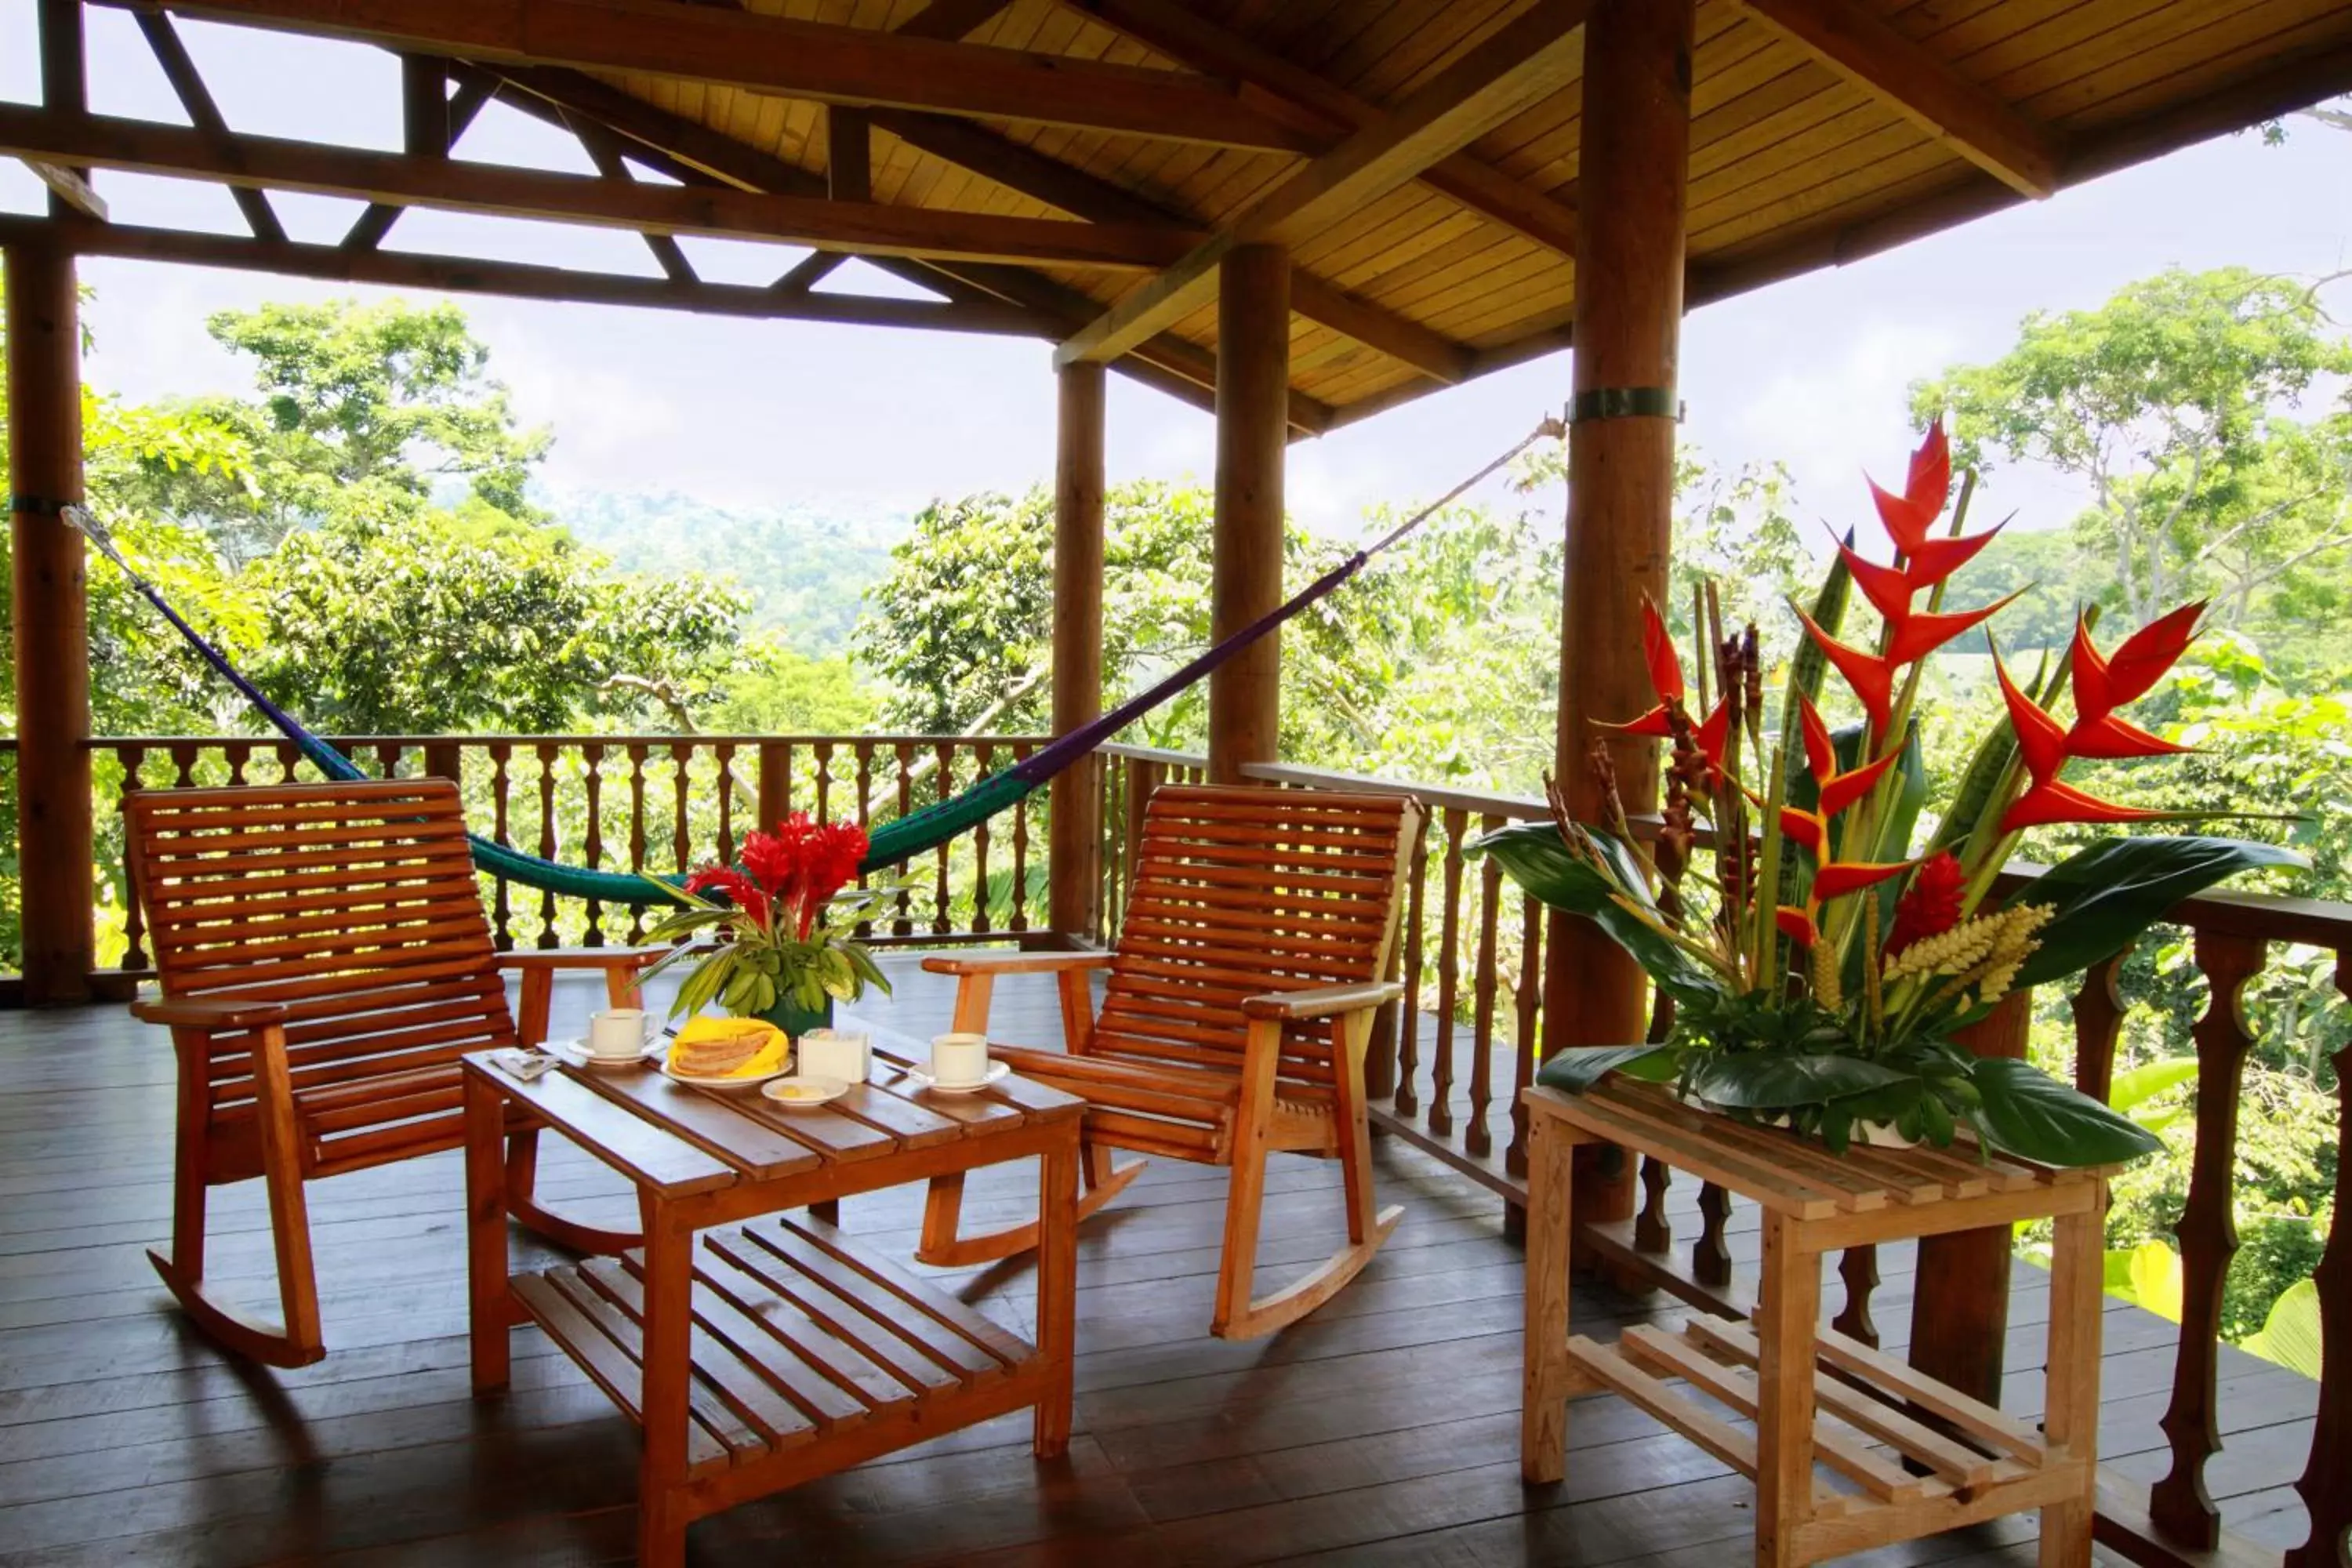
[{"x": 1382, "y": 1430}]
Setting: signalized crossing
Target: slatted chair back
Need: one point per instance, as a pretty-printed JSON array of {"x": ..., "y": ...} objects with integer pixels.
[
  {"x": 354, "y": 905},
  {"x": 1242, "y": 892}
]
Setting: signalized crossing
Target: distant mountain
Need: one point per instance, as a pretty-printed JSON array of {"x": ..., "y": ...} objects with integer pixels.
[{"x": 806, "y": 568}]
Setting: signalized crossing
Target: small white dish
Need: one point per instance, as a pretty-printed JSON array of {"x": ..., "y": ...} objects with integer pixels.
[
  {"x": 997, "y": 1072},
  {"x": 799, "y": 1092},
  {"x": 577, "y": 1053}
]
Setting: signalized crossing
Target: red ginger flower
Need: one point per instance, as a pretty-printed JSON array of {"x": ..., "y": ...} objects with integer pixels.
[
  {"x": 792, "y": 870},
  {"x": 742, "y": 891},
  {"x": 1930, "y": 906}
]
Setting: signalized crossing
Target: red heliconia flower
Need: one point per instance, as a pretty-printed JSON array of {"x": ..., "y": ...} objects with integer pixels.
[
  {"x": 1931, "y": 904},
  {"x": 1658, "y": 652},
  {"x": 1871, "y": 677},
  {"x": 1797, "y": 924},
  {"x": 1918, "y": 636},
  {"x": 742, "y": 891},
  {"x": 1910, "y": 515},
  {"x": 2053, "y": 800},
  {"x": 1839, "y": 878},
  {"x": 2104, "y": 683},
  {"x": 1890, "y": 589},
  {"x": 1839, "y": 791},
  {"x": 2041, "y": 740}
]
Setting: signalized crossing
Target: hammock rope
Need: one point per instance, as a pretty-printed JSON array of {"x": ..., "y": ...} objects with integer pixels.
[{"x": 893, "y": 842}]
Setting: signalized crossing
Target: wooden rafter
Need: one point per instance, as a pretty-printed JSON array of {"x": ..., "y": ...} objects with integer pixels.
[
  {"x": 1871, "y": 52},
  {"x": 1171, "y": 28},
  {"x": 401, "y": 180},
  {"x": 368, "y": 229},
  {"x": 800, "y": 59},
  {"x": 693, "y": 151},
  {"x": 1526, "y": 59},
  {"x": 1082, "y": 194},
  {"x": 188, "y": 85},
  {"x": 513, "y": 280}
]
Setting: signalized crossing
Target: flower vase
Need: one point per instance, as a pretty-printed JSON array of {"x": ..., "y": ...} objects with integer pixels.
[{"x": 795, "y": 1020}]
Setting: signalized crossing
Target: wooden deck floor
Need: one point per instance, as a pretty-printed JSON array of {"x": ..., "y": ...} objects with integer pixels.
[{"x": 1382, "y": 1430}]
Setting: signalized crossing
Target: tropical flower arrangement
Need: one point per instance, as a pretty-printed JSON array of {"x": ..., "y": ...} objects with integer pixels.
[
  {"x": 1819, "y": 976},
  {"x": 785, "y": 914}
]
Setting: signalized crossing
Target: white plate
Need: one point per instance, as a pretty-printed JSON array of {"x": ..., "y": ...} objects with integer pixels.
[
  {"x": 728, "y": 1082},
  {"x": 829, "y": 1089},
  {"x": 997, "y": 1071}
]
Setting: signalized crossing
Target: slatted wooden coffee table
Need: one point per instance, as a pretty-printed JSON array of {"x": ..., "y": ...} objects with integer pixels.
[
  {"x": 1817, "y": 1398},
  {"x": 757, "y": 1349}
]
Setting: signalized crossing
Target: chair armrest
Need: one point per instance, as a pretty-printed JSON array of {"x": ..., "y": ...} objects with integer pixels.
[
  {"x": 1322, "y": 1001},
  {"x": 1014, "y": 962},
  {"x": 581, "y": 958},
  {"x": 195, "y": 1013}
]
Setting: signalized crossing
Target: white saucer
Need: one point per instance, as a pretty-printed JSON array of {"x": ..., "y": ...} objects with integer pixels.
[
  {"x": 829, "y": 1089},
  {"x": 577, "y": 1053},
  {"x": 997, "y": 1071}
]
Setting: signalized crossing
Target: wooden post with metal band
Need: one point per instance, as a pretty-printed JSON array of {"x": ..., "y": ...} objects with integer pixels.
[
  {"x": 1075, "y": 824},
  {"x": 1633, "y": 174}
]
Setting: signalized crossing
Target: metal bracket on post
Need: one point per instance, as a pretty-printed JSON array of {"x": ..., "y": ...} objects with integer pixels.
[{"x": 1624, "y": 402}]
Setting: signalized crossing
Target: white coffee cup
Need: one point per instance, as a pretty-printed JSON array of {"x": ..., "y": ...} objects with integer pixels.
[
  {"x": 835, "y": 1053},
  {"x": 619, "y": 1033},
  {"x": 959, "y": 1060}
]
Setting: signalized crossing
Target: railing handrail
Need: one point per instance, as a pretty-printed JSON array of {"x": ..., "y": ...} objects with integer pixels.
[
  {"x": 104, "y": 743},
  {"x": 1126, "y": 753}
]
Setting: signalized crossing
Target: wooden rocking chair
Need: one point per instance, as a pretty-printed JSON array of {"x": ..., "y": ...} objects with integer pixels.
[
  {"x": 324, "y": 964},
  {"x": 1239, "y": 1005}
]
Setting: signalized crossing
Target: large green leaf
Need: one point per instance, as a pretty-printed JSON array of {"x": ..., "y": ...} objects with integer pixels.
[
  {"x": 1538, "y": 859},
  {"x": 1580, "y": 1068},
  {"x": 2033, "y": 1115},
  {"x": 2290, "y": 1336},
  {"x": 2135, "y": 1087},
  {"x": 2106, "y": 895},
  {"x": 1773, "y": 1080}
]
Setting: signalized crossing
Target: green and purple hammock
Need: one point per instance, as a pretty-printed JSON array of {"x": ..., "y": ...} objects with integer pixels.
[{"x": 892, "y": 842}]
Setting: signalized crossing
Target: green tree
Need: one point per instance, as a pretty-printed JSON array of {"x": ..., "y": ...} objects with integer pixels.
[
  {"x": 2175, "y": 402},
  {"x": 364, "y": 412}
]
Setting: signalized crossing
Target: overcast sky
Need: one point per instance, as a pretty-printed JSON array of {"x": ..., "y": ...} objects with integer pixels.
[{"x": 1811, "y": 371}]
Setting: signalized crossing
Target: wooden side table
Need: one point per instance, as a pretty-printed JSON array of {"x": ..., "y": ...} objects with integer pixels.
[
  {"x": 1977, "y": 1463},
  {"x": 759, "y": 1355}
]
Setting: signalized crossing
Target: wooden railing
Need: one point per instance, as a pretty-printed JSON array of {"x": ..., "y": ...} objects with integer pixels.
[
  {"x": 658, "y": 803},
  {"x": 1446, "y": 1074}
]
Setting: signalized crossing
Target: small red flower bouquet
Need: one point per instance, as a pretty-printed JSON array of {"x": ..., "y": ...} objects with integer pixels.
[
  {"x": 785, "y": 912},
  {"x": 1817, "y": 977}
]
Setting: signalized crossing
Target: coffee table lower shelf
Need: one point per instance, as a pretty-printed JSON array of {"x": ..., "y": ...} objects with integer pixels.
[
  {"x": 1863, "y": 1430},
  {"x": 809, "y": 1355}
]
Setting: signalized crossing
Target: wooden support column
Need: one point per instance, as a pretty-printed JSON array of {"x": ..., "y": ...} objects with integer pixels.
[
  {"x": 1074, "y": 847},
  {"x": 1959, "y": 1299},
  {"x": 1633, "y": 174},
  {"x": 52, "y": 626},
  {"x": 1252, "y": 415}
]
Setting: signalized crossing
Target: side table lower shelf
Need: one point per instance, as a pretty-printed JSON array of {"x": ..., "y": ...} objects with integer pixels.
[{"x": 809, "y": 1355}]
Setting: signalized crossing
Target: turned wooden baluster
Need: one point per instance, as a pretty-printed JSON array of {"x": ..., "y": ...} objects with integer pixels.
[
  {"x": 1409, "y": 1022},
  {"x": 501, "y": 917},
  {"x": 941, "y": 923},
  {"x": 636, "y": 755},
  {"x": 134, "y": 919},
  {"x": 289, "y": 757},
  {"x": 2098, "y": 1008},
  {"x": 1710, "y": 1254},
  {"x": 980, "y": 840},
  {"x": 725, "y": 754},
  {"x": 821, "y": 759},
  {"x": 1476, "y": 1138},
  {"x": 592, "y": 844},
  {"x": 2180, "y": 1506},
  {"x": 1651, "y": 1233},
  {"x": 1523, "y": 1044},
  {"x": 184, "y": 754},
  {"x": 1858, "y": 1270},
  {"x": 2326, "y": 1494},
  {"x": 548, "y": 846},
  {"x": 681, "y": 791},
  {"x": 904, "y": 923},
  {"x": 1019, "y": 920},
  {"x": 1449, "y": 978}
]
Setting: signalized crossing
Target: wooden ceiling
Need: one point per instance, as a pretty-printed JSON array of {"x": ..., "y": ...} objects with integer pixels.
[{"x": 1080, "y": 162}]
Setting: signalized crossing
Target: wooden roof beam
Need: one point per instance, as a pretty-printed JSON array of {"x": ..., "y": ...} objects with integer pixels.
[
  {"x": 1527, "y": 59},
  {"x": 823, "y": 61},
  {"x": 400, "y": 180},
  {"x": 1082, "y": 194},
  {"x": 511, "y": 280},
  {"x": 1171, "y": 28},
  {"x": 1872, "y": 53},
  {"x": 693, "y": 153}
]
